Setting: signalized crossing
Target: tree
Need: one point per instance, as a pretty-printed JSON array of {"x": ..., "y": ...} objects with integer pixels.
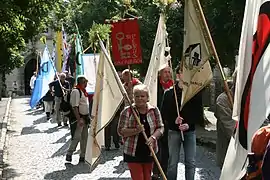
[
  {"x": 21, "y": 21},
  {"x": 225, "y": 23},
  {"x": 224, "y": 19},
  {"x": 98, "y": 11}
]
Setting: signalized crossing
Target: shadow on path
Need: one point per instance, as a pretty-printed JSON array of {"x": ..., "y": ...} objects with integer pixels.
[
  {"x": 112, "y": 155},
  {"x": 30, "y": 130},
  {"x": 35, "y": 112},
  {"x": 68, "y": 173},
  {"x": 9, "y": 173},
  {"x": 40, "y": 121},
  {"x": 63, "y": 150}
]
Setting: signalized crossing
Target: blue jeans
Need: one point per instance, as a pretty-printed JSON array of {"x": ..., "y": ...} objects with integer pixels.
[{"x": 174, "y": 142}]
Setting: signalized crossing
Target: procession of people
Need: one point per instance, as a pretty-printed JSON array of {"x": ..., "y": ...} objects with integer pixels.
[
  {"x": 161, "y": 123},
  {"x": 156, "y": 117}
]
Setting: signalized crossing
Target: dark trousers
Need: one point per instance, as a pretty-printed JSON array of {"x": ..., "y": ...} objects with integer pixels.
[
  {"x": 163, "y": 153},
  {"x": 111, "y": 131}
]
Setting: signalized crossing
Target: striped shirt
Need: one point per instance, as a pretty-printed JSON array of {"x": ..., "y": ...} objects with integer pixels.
[{"x": 127, "y": 120}]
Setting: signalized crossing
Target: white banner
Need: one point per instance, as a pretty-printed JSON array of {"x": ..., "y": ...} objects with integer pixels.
[
  {"x": 157, "y": 60},
  {"x": 90, "y": 65},
  {"x": 252, "y": 93}
]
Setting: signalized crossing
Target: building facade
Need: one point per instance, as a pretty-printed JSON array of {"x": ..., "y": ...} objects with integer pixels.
[{"x": 23, "y": 74}]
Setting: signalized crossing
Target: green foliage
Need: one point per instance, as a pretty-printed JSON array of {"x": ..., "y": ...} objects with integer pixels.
[
  {"x": 97, "y": 31},
  {"x": 225, "y": 22},
  {"x": 43, "y": 39},
  {"x": 21, "y": 21}
]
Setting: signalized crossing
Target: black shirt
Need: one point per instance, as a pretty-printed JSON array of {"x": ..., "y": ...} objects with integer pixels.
[
  {"x": 192, "y": 111},
  {"x": 142, "y": 154},
  {"x": 48, "y": 96},
  {"x": 58, "y": 92}
]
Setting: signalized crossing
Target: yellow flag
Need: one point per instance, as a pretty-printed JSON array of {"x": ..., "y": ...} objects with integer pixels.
[
  {"x": 197, "y": 71},
  {"x": 59, "y": 51}
]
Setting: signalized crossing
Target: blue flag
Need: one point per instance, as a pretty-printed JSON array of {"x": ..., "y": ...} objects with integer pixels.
[{"x": 45, "y": 76}]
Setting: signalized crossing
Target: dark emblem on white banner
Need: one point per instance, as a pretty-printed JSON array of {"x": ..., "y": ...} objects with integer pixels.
[{"x": 193, "y": 56}]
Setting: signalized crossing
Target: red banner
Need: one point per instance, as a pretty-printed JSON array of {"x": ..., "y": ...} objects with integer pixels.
[{"x": 126, "y": 47}]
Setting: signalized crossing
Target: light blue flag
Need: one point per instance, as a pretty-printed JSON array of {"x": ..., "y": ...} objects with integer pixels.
[{"x": 45, "y": 76}]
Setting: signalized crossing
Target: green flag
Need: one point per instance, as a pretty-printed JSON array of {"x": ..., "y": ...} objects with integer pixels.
[{"x": 79, "y": 52}]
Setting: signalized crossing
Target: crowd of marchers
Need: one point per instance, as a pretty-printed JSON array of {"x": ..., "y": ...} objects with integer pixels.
[{"x": 166, "y": 130}]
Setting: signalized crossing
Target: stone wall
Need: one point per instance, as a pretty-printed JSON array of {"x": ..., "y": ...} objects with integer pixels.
[{"x": 215, "y": 88}]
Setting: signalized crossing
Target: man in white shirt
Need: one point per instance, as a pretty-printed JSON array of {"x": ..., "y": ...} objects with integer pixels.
[
  {"x": 80, "y": 106},
  {"x": 32, "y": 81}
]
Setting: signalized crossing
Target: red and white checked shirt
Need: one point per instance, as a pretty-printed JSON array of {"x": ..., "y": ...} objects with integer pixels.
[{"x": 127, "y": 120}]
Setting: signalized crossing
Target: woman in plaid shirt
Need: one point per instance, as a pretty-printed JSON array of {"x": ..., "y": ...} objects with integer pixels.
[{"x": 136, "y": 150}]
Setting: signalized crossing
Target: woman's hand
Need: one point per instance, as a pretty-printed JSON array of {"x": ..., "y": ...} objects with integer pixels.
[
  {"x": 151, "y": 141},
  {"x": 139, "y": 129},
  {"x": 183, "y": 127},
  {"x": 126, "y": 132}
]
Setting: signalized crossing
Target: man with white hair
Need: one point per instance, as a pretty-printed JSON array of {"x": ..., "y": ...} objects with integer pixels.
[
  {"x": 165, "y": 82},
  {"x": 59, "y": 87}
]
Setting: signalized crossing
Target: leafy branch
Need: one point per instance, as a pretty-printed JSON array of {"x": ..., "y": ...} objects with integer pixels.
[{"x": 101, "y": 30}]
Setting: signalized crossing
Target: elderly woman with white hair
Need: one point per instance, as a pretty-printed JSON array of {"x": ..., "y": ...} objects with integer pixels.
[{"x": 136, "y": 150}]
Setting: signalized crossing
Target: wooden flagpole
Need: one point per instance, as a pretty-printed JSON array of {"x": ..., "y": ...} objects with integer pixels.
[
  {"x": 212, "y": 46},
  {"x": 174, "y": 90},
  {"x": 124, "y": 93},
  {"x": 55, "y": 71},
  {"x": 37, "y": 61}
]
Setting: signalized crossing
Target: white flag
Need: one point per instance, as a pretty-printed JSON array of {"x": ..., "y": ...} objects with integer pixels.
[
  {"x": 66, "y": 50},
  {"x": 90, "y": 67},
  {"x": 197, "y": 71},
  {"x": 252, "y": 94},
  {"x": 157, "y": 60},
  {"x": 107, "y": 100}
]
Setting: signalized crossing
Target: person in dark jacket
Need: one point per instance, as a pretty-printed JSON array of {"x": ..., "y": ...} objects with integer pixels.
[
  {"x": 164, "y": 82},
  {"x": 48, "y": 104},
  {"x": 59, "y": 91},
  {"x": 191, "y": 112},
  {"x": 266, "y": 163},
  {"x": 70, "y": 79}
]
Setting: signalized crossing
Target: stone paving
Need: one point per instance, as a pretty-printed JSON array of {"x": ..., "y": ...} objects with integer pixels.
[{"x": 36, "y": 150}]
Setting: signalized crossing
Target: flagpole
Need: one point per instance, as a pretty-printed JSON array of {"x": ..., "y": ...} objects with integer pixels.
[
  {"x": 55, "y": 71},
  {"x": 202, "y": 17},
  {"x": 174, "y": 90},
  {"x": 37, "y": 61},
  {"x": 124, "y": 93}
]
